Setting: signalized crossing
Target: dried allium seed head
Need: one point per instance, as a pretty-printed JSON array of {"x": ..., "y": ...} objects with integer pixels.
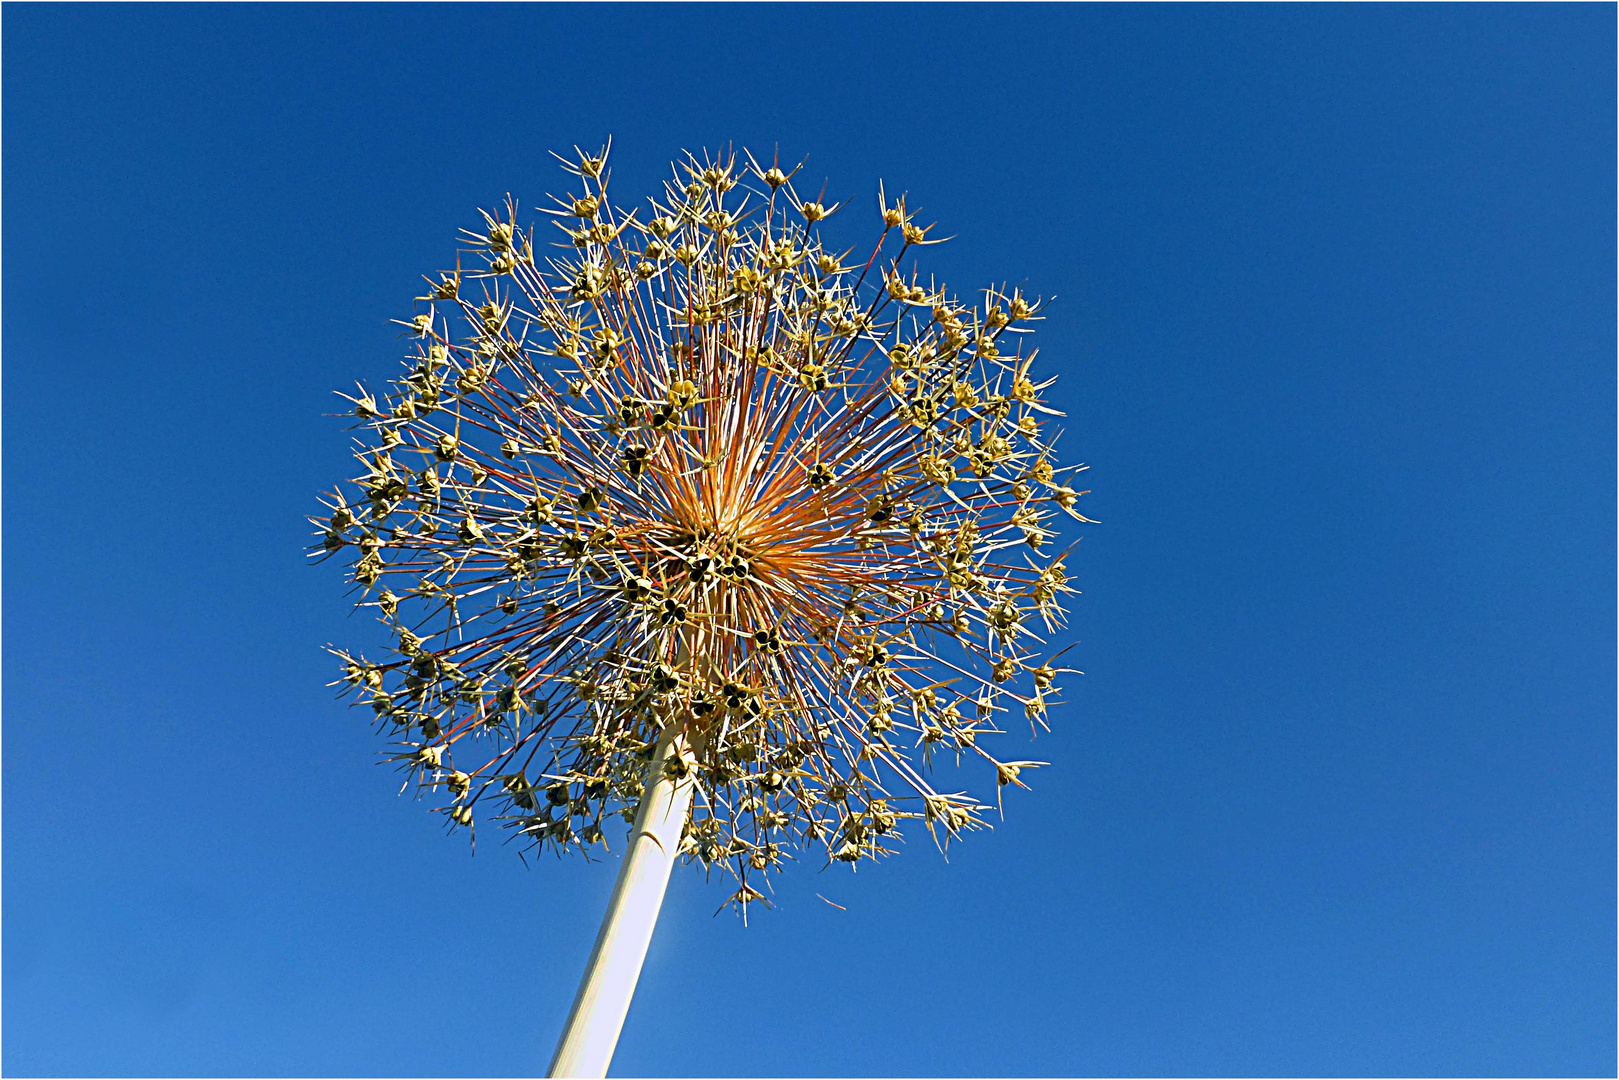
[{"x": 787, "y": 509}]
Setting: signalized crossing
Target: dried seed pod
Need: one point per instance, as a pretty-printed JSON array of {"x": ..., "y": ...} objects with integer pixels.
[
  {"x": 720, "y": 483},
  {"x": 673, "y": 613}
]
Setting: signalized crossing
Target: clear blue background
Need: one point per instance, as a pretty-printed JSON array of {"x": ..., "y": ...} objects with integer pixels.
[{"x": 1335, "y": 325}]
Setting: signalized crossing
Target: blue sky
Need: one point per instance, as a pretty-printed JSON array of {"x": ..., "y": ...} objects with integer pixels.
[{"x": 1335, "y": 331}]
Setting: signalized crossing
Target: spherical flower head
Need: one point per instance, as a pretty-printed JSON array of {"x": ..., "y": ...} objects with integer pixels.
[{"x": 694, "y": 469}]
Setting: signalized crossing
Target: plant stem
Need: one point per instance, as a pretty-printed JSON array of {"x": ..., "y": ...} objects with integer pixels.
[{"x": 591, "y": 1033}]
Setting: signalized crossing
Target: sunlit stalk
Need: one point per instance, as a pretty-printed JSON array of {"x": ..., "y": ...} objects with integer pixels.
[{"x": 603, "y": 1000}]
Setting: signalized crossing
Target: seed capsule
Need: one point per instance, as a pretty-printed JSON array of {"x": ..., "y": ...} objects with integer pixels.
[
  {"x": 682, "y": 393},
  {"x": 734, "y": 694},
  {"x": 635, "y": 458},
  {"x": 665, "y": 418},
  {"x": 573, "y": 546}
]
